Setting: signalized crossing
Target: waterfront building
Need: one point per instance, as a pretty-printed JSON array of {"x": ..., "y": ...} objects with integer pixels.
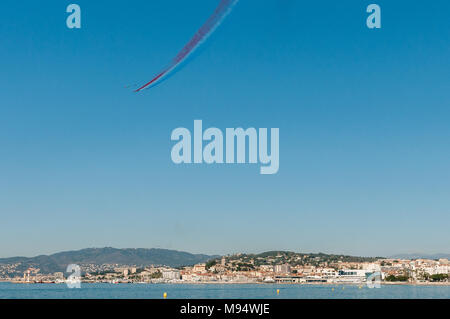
[
  {"x": 283, "y": 269},
  {"x": 171, "y": 274},
  {"x": 199, "y": 268},
  {"x": 352, "y": 275}
]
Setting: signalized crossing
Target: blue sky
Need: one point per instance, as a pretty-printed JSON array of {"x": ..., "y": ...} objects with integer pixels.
[{"x": 363, "y": 116}]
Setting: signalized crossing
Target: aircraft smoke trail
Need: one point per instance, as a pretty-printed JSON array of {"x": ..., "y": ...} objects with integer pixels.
[{"x": 222, "y": 10}]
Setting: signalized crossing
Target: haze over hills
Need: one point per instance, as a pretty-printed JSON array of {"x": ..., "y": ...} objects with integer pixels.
[
  {"x": 128, "y": 256},
  {"x": 421, "y": 256}
]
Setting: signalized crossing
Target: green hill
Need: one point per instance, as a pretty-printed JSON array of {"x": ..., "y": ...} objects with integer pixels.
[{"x": 129, "y": 256}]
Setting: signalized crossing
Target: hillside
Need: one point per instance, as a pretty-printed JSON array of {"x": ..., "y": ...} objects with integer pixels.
[{"x": 129, "y": 256}]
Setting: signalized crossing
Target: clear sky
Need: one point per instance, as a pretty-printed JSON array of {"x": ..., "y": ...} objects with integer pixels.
[{"x": 363, "y": 116}]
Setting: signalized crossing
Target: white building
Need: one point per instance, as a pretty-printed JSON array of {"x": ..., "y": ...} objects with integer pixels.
[
  {"x": 283, "y": 269},
  {"x": 171, "y": 274},
  {"x": 352, "y": 275},
  {"x": 328, "y": 272},
  {"x": 437, "y": 269},
  {"x": 199, "y": 268}
]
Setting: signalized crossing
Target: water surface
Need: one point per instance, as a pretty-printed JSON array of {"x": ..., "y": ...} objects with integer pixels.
[{"x": 231, "y": 291}]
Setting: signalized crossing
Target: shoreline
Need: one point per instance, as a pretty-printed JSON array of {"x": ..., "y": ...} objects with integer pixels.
[{"x": 430, "y": 284}]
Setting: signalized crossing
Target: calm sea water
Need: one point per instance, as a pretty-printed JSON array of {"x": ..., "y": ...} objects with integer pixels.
[{"x": 156, "y": 291}]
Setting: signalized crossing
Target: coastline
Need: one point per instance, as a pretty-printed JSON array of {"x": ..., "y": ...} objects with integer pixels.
[{"x": 421, "y": 284}]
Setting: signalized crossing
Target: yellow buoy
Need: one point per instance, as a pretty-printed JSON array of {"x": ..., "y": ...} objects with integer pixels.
[
  {"x": 278, "y": 291},
  {"x": 332, "y": 289},
  {"x": 343, "y": 288},
  {"x": 165, "y": 295}
]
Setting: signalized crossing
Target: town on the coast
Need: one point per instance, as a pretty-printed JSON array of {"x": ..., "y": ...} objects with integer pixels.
[{"x": 271, "y": 267}]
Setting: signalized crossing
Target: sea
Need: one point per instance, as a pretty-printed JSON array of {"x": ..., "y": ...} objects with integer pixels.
[{"x": 220, "y": 291}]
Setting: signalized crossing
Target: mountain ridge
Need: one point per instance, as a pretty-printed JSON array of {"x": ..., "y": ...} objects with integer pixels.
[
  {"x": 108, "y": 255},
  {"x": 421, "y": 256}
]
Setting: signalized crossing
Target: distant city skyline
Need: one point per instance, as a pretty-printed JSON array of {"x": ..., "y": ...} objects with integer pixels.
[
  {"x": 109, "y": 265},
  {"x": 363, "y": 118}
]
